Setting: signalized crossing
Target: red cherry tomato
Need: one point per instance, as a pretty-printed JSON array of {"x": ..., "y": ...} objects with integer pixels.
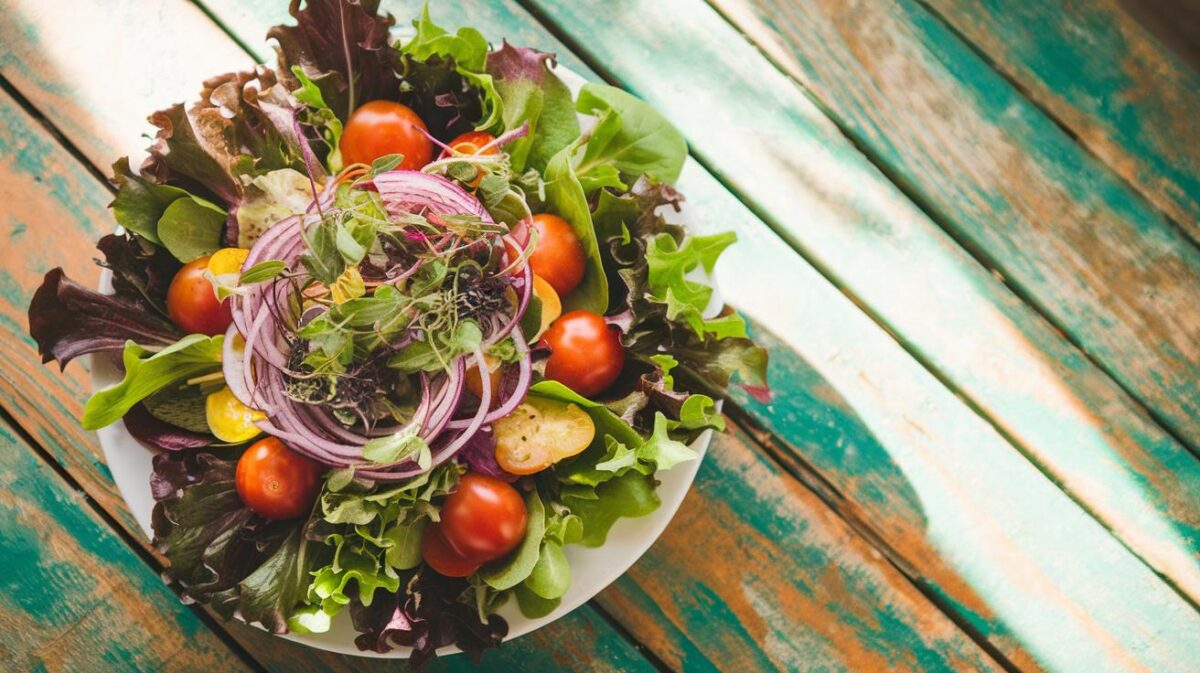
[
  {"x": 441, "y": 556},
  {"x": 380, "y": 128},
  {"x": 585, "y": 353},
  {"x": 484, "y": 518},
  {"x": 192, "y": 302},
  {"x": 470, "y": 143},
  {"x": 275, "y": 481},
  {"x": 558, "y": 256}
]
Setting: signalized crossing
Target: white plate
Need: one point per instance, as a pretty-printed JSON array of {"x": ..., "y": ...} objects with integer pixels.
[{"x": 591, "y": 569}]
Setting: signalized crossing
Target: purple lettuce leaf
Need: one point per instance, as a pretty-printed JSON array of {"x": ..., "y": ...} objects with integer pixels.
[
  {"x": 68, "y": 320},
  {"x": 342, "y": 46},
  {"x": 139, "y": 269},
  {"x": 479, "y": 455},
  {"x": 430, "y": 612},
  {"x": 534, "y": 96},
  {"x": 243, "y": 125},
  {"x": 222, "y": 553},
  {"x": 160, "y": 434}
]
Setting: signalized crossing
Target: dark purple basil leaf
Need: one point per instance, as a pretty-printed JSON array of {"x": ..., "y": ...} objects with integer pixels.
[
  {"x": 479, "y": 455},
  {"x": 219, "y": 551},
  {"x": 325, "y": 32},
  {"x": 162, "y": 435},
  {"x": 430, "y": 612},
  {"x": 68, "y": 320},
  {"x": 139, "y": 268}
]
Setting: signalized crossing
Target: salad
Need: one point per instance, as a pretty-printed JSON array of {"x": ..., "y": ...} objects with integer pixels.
[{"x": 401, "y": 328}]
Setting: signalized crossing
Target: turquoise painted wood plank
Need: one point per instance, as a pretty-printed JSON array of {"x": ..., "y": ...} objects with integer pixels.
[
  {"x": 1127, "y": 97},
  {"x": 1024, "y": 196},
  {"x": 75, "y": 597},
  {"x": 779, "y": 151},
  {"x": 900, "y": 619}
]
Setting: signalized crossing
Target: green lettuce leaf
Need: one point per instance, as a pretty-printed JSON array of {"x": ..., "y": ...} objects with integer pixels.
[
  {"x": 630, "y": 137},
  {"x": 191, "y": 228},
  {"x": 447, "y": 79},
  {"x": 565, "y": 198},
  {"x": 140, "y": 203},
  {"x": 147, "y": 372},
  {"x": 631, "y": 494},
  {"x": 533, "y": 95}
]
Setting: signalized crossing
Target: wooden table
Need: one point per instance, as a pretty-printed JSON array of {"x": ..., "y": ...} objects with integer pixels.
[{"x": 968, "y": 232}]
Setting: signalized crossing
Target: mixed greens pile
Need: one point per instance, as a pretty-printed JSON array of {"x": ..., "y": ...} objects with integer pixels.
[{"x": 337, "y": 348}]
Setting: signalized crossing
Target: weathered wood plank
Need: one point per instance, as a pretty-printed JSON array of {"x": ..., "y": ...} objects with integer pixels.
[
  {"x": 888, "y": 497},
  {"x": 1068, "y": 234},
  {"x": 797, "y": 590},
  {"x": 75, "y": 597},
  {"x": 1124, "y": 95}
]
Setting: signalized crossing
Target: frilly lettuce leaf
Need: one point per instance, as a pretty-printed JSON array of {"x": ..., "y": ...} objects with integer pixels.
[
  {"x": 325, "y": 32},
  {"x": 532, "y": 95},
  {"x": 222, "y": 553},
  {"x": 447, "y": 76},
  {"x": 429, "y": 612},
  {"x": 68, "y": 320}
]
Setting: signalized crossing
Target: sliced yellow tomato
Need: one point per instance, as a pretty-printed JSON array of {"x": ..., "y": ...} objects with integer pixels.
[
  {"x": 541, "y": 432},
  {"x": 227, "y": 260},
  {"x": 229, "y": 419},
  {"x": 474, "y": 382},
  {"x": 551, "y": 304}
]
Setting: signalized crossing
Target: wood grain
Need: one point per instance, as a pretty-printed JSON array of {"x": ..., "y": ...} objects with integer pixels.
[
  {"x": 1127, "y": 97},
  {"x": 902, "y": 618},
  {"x": 69, "y": 582},
  {"x": 1065, "y": 232}
]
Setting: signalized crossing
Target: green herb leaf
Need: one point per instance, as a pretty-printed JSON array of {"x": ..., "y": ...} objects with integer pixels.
[
  {"x": 147, "y": 372},
  {"x": 191, "y": 228},
  {"x": 394, "y": 448},
  {"x": 521, "y": 563},
  {"x": 660, "y": 449},
  {"x": 630, "y": 136},
  {"x": 532, "y": 605},
  {"x": 565, "y": 198},
  {"x": 263, "y": 271},
  {"x": 551, "y": 575},
  {"x": 405, "y": 538}
]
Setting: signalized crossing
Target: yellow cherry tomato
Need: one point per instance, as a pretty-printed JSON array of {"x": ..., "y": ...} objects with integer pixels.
[
  {"x": 541, "y": 432},
  {"x": 551, "y": 304},
  {"x": 227, "y": 260},
  {"x": 229, "y": 419}
]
